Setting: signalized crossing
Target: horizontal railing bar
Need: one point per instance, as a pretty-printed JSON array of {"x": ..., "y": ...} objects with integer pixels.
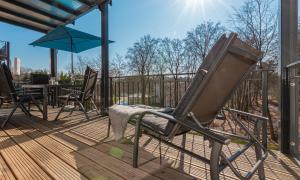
[{"x": 293, "y": 64}]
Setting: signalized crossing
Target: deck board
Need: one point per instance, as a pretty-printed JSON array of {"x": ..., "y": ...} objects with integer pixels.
[
  {"x": 5, "y": 172},
  {"x": 78, "y": 149},
  {"x": 22, "y": 165}
]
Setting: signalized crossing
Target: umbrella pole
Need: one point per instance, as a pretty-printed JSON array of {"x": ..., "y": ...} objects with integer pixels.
[
  {"x": 72, "y": 64},
  {"x": 72, "y": 70}
]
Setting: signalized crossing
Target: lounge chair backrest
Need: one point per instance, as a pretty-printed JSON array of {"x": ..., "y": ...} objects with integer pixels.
[
  {"x": 210, "y": 90},
  {"x": 4, "y": 88},
  {"x": 7, "y": 79},
  {"x": 89, "y": 83}
]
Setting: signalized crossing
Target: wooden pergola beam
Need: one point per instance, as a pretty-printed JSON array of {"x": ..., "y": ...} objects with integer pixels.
[
  {"x": 23, "y": 25},
  {"x": 36, "y": 10},
  {"x": 30, "y": 18},
  {"x": 85, "y": 2}
]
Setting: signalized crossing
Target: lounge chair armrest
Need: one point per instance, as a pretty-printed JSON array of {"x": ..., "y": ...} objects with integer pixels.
[
  {"x": 202, "y": 130},
  {"x": 161, "y": 114},
  {"x": 258, "y": 117}
]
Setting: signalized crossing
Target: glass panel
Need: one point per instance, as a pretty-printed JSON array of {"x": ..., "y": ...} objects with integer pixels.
[
  {"x": 72, "y": 4},
  {"x": 298, "y": 117},
  {"x": 295, "y": 110},
  {"x": 46, "y": 7}
]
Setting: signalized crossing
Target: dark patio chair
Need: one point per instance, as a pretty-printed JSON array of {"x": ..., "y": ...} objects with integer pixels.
[
  {"x": 19, "y": 97},
  {"x": 1, "y": 101},
  {"x": 85, "y": 95},
  {"x": 217, "y": 78}
]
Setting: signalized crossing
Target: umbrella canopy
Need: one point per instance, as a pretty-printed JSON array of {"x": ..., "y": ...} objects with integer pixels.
[{"x": 68, "y": 39}]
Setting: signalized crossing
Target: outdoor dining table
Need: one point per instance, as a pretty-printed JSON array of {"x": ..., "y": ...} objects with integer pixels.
[{"x": 45, "y": 96}]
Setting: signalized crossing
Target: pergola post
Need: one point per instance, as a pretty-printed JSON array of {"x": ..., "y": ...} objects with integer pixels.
[
  {"x": 104, "y": 90},
  {"x": 8, "y": 54},
  {"x": 53, "y": 62},
  {"x": 288, "y": 49}
]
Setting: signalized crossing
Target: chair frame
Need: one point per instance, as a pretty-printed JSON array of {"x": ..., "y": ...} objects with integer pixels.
[
  {"x": 1, "y": 101},
  {"x": 217, "y": 141},
  {"x": 81, "y": 99},
  {"x": 218, "y": 160},
  {"x": 19, "y": 98}
]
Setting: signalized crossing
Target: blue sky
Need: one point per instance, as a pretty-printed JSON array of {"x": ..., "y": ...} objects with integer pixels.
[{"x": 128, "y": 21}]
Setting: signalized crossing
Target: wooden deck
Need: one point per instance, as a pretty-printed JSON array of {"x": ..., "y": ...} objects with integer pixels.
[{"x": 73, "y": 148}]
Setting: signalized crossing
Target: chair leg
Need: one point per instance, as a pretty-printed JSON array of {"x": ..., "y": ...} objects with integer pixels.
[
  {"x": 84, "y": 110},
  {"x": 72, "y": 110},
  {"x": 29, "y": 106},
  {"x": 10, "y": 115},
  {"x": 215, "y": 157},
  {"x": 92, "y": 101},
  {"x": 62, "y": 108},
  {"x": 36, "y": 104},
  {"x": 136, "y": 144},
  {"x": 108, "y": 128},
  {"x": 160, "y": 157},
  {"x": 25, "y": 111}
]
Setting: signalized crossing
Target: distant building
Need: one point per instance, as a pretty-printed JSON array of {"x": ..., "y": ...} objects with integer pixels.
[{"x": 17, "y": 67}]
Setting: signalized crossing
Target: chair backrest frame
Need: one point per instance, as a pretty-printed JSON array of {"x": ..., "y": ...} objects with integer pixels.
[
  {"x": 89, "y": 83},
  {"x": 9, "y": 80},
  {"x": 195, "y": 93}
]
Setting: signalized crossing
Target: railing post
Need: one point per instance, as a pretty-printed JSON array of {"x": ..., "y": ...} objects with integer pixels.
[
  {"x": 265, "y": 104},
  {"x": 111, "y": 90},
  {"x": 285, "y": 112},
  {"x": 162, "y": 91}
]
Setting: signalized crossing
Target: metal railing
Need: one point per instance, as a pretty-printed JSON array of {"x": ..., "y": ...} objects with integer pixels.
[{"x": 293, "y": 75}]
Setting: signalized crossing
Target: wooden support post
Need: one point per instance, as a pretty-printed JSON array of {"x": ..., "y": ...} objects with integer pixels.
[
  {"x": 8, "y": 54},
  {"x": 53, "y": 62},
  {"x": 104, "y": 90}
]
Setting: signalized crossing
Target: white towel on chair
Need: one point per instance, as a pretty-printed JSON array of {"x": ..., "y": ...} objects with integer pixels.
[{"x": 120, "y": 114}]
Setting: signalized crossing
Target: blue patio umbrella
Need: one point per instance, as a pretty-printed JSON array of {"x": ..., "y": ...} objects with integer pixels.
[{"x": 68, "y": 39}]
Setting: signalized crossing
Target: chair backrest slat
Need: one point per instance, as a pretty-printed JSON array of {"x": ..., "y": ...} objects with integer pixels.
[
  {"x": 227, "y": 65},
  {"x": 89, "y": 83}
]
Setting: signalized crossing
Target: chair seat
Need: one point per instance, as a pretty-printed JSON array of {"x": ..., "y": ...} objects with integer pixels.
[
  {"x": 26, "y": 98},
  {"x": 162, "y": 125},
  {"x": 156, "y": 123}
]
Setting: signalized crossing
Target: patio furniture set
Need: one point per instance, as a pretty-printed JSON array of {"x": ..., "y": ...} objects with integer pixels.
[{"x": 224, "y": 68}]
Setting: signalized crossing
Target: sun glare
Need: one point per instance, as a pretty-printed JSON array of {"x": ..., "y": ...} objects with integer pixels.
[
  {"x": 192, "y": 6},
  {"x": 194, "y": 3},
  {"x": 200, "y": 6}
]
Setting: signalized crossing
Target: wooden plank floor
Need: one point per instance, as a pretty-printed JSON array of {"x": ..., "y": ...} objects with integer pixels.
[{"x": 73, "y": 148}]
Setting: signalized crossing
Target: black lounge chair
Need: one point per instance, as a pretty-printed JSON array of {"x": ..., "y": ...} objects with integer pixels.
[
  {"x": 1, "y": 101},
  {"x": 19, "y": 97},
  {"x": 220, "y": 74},
  {"x": 85, "y": 95}
]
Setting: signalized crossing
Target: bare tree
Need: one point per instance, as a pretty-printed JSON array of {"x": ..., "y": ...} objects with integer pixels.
[
  {"x": 256, "y": 24},
  {"x": 199, "y": 41},
  {"x": 81, "y": 64},
  {"x": 172, "y": 52},
  {"x": 141, "y": 59},
  {"x": 118, "y": 66}
]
